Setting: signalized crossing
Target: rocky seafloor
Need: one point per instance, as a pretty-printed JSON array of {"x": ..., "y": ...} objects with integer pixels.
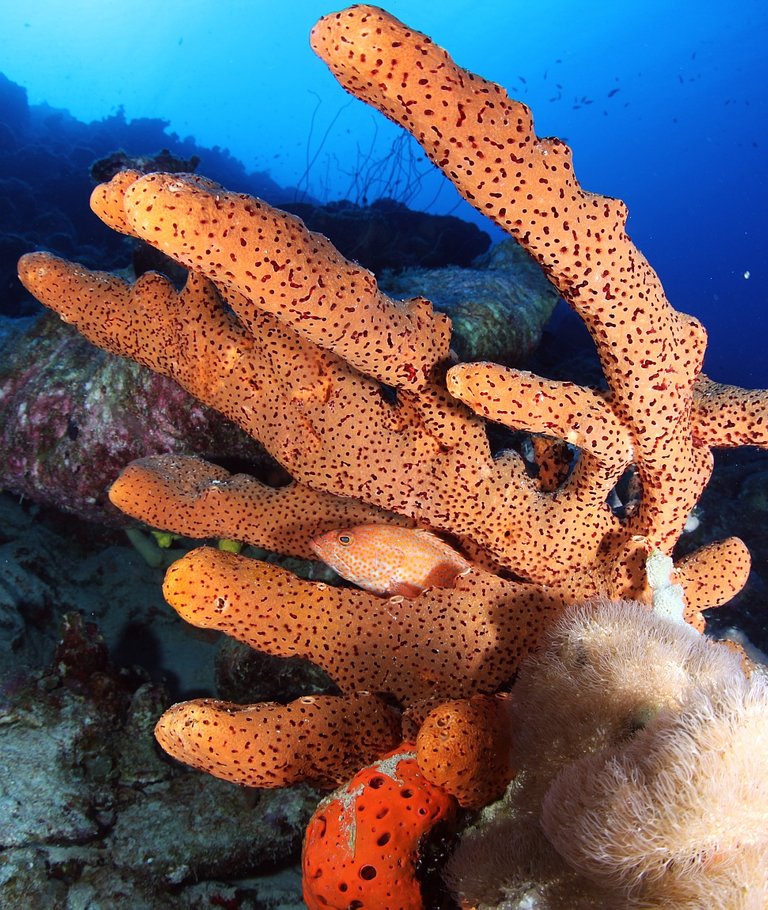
[{"x": 92, "y": 815}]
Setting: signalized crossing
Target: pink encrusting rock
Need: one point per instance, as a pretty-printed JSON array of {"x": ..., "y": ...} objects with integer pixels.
[{"x": 72, "y": 416}]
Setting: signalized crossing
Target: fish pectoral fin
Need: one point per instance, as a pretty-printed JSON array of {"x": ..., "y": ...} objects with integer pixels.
[
  {"x": 405, "y": 589},
  {"x": 443, "y": 575}
]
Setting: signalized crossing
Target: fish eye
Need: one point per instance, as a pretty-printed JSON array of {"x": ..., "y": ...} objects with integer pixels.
[{"x": 345, "y": 540}]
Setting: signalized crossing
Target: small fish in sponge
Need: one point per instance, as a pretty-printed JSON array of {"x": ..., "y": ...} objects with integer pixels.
[{"x": 391, "y": 560}]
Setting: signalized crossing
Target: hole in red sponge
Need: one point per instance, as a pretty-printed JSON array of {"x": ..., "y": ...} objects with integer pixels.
[
  {"x": 383, "y": 839},
  {"x": 367, "y": 873}
]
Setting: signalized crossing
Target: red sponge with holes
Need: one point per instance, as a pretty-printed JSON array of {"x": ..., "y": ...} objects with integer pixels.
[{"x": 362, "y": 844}]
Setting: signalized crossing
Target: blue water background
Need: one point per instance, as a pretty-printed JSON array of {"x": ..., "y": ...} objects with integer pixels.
[{"x": 665, "y": 105}]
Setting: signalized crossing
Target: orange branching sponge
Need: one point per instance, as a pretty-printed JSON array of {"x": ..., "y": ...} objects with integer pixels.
[
  {"x": 321, "y": 418},
  {"x": 465, "y": 746},
  {"x": 299, "y": 359},
  {"x": 357, "y": 397},
  {"x": 651, "y": 355},
  {"x": 317, "y": 738},
  {"x": 448, "y": 641},
  {"x": 362, "y": 844},
  {"x": 205, "y": 500},
  {"x": 282, "y": 269}
]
